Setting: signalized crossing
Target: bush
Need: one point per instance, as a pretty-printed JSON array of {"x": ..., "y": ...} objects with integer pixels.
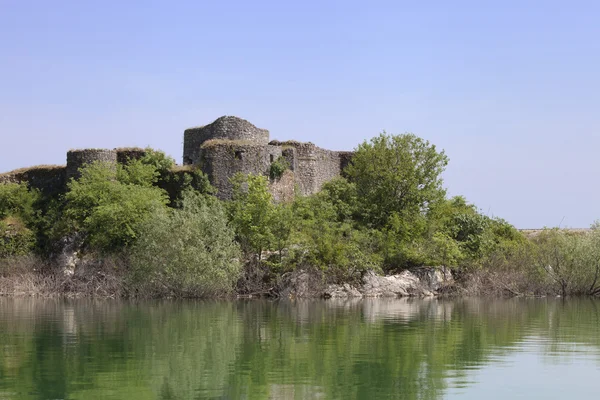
[
  {"x": 15, "y": 238},
  {"x": 107, "y": 210},
  {"x": 178, "y": 181},
  {"x": 571, "y": 260},
  {"x": 16, "y": 199},
  {"x": 336, "y": 248},
  {"x": 278, "y": 167},
  {"x": 251, "y": 213},
  {"x": 159, "y": 160},
  {"x": 187, "y": 252},
  {"x": 396, "y": 174}
]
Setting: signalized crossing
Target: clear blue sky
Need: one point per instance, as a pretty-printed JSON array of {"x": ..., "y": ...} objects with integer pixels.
[{"x": 511, "y": 91}]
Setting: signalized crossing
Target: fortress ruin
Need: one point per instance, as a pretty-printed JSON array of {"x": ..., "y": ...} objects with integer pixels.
[{"x": 227, "y": 146}]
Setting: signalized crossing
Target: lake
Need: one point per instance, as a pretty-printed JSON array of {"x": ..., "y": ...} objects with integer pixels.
[{"x": 359, "y": 349}]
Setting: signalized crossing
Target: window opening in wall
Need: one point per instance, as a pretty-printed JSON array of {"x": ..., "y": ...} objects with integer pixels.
[
  {"x": 272, "y": 158},
  {"x": 238, "y": 155}
]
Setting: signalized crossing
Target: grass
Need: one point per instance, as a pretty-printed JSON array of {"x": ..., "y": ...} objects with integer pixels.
[
  {"x": 130, "y": 149},
  {"x": 183, "y": 168},
  {"x": 30, "y": 276}
]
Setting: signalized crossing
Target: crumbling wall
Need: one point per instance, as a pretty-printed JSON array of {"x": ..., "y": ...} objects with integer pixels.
[
  {"x": 222, "y": 159},
  {"x": 289, "y": 154},
  {"x": 124, "y": 154},
  {"x": 345, "y": 159},
  {"x": 79, "y": 158},
  {"x": 283, "y": 188},
  {"x": 225, "y": 128},
  {"x": 328, "y": 167},
  {"x": 221, "y": 149},
  {"x": 49, "y": 179},
  {"x": 313, "y": 166}
]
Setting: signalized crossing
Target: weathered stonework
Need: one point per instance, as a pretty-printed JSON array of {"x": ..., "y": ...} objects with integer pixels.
[
  {"x": 221, "y": 160},
  {"x": 283, "y": 188},
  {"x": 79, "y": 158},
  {"x": 221, "y": 149},
  {"x": 49, "y": 179},
  {"x": 125, "y": 154},
  {"x": 224, "y": 128},
  {"x": 231, "y": 145}
]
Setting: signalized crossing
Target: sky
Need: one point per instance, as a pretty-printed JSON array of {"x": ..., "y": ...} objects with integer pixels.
[{"x": 510, "y": 90}]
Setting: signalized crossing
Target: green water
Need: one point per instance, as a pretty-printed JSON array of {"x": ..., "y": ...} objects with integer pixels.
[{"x": 375, "y": 349}]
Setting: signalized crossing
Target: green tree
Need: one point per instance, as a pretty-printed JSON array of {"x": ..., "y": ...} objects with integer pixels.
[
  {"x": 161, "y": 162},
  {"x": 446, "y": 251},
  {"x": 137, "y": 172},
  {"x": 562, "y": 256},
  {"x": 16, "y": 199},
  {"x": 107, "y": 210},
  {"x": 396, "y": 174},
  {"x": 251, "y": 211},
  {"x": 320, "y": 240},
  {"x": 341, "y": 194},
  {"x": 15, "y": 238},
  {"x": 186, "y": 252},
  {"x": 282, "y": 223}
]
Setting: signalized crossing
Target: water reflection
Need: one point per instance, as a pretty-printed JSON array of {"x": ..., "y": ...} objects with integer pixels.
[{"x": 402, "y": 349}]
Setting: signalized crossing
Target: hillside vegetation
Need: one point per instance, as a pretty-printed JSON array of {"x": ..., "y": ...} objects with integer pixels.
[{"x": 389, "y": 212}]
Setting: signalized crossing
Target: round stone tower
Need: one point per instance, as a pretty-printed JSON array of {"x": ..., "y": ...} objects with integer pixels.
[
  {"x": 224, "y": 128},
  {"x": 79, "y": 158}
]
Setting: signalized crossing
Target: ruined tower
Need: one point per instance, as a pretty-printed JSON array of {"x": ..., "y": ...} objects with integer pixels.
[
  {"x": 79, "y": 158},
  {"x": 230, "y": 145}
]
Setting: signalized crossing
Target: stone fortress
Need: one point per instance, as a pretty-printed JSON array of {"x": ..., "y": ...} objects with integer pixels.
[
  {"x": 230, "y": 145},
  {"x": 220, "y": 149}
]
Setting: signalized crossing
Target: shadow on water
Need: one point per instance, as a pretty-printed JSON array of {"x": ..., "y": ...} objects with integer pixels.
[{"x": 403, "y": 349}]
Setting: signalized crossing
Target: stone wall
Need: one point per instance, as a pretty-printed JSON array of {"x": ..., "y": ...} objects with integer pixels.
[
  {"x": 221, "y": 149},
  {"x": 49, "y": 179},
  {"x": 283, "y": 189},
  {"x": 222, "y": 159},
  {"x": 225, "y": 128},
  {"x": 124, "y": 154},
  {"x": 230, "y": 145},
  {"x": 312, "y": 165},
  {"x": 79, "y": 158}
]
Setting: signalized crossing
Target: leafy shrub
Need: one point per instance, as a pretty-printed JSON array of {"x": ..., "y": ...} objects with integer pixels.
[
  {"x": 341, "y": 194},
  {"x": 162, "y": 162},
  {"x": 136, "y": 172},
  {"x": 337, "y": 248},
  {"x": 571, "y": 260},
  {"x": 108, "y": 210},
  {"x": 396, "y": 174},
  {"x": 278, "y": 167},
  {"x": 181, "y": 179},
  {"x": 251, "y": 213},
  {"x": 15, "y": 238},
  {"x": 187, "y": 252},
  {"x": 17, "y": 199}
]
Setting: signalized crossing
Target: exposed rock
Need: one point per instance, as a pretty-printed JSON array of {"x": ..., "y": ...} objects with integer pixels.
[
  {"x": 302, "y": 284},
  {"x": 309, "y": 284},
  {"x": 69, "y": 254},
  {"x": 404, "y": 284},
  {"x": 341, "y": 291},
  {"x": 433, "y": 278}
]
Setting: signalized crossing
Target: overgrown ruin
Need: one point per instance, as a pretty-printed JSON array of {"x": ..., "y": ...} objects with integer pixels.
[{"x": 227, "y": 146}]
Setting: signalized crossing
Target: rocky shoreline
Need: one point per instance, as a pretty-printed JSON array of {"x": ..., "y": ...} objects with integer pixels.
[{"x": 420, "y": 282}]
